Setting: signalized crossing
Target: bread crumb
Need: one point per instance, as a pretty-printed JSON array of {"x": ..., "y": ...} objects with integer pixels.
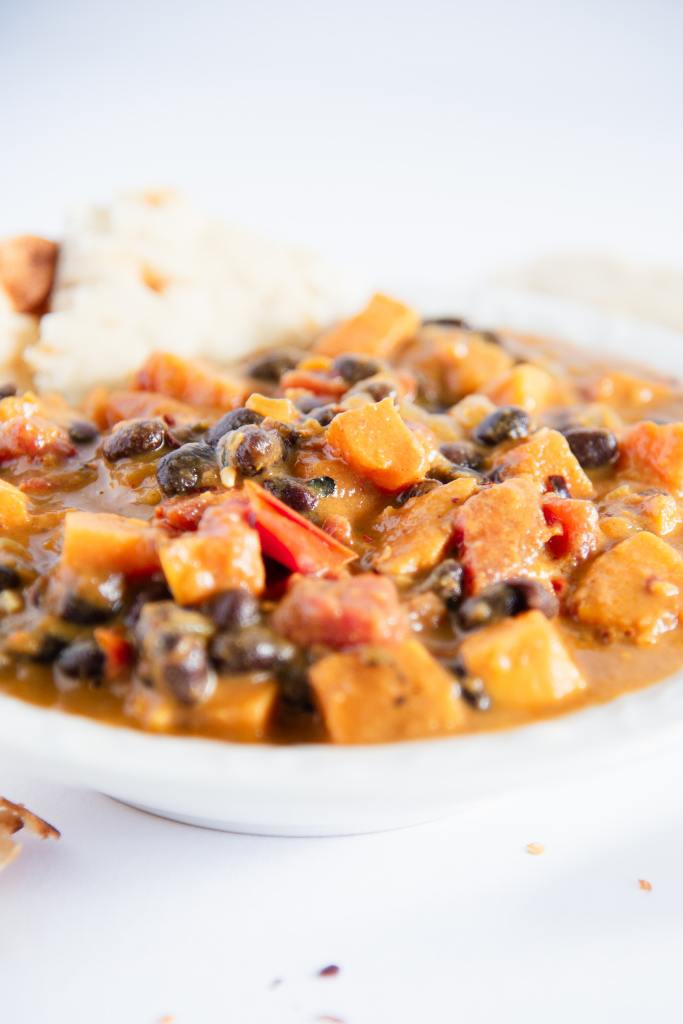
[
  {"x": 14, "y": 817},
  {"x": 645, "y": 885},
  {"x": 535, "y": 849}
]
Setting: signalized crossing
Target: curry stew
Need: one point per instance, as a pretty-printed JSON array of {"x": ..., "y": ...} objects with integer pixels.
[{"x": 409, "y": 529}]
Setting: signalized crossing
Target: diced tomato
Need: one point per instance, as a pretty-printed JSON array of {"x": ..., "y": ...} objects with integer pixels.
[
  {"x": 291, "y": 540},
  {"x": 362, "y": 609},
  {"x": 34, "y": 438},
  {"x": 183, "y": 513},
  {"x": 117, "y": 649},
  {"x": 578, "y": 522}
]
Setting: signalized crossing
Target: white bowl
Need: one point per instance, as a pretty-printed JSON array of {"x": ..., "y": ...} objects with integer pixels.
[{"x": 326, "y": 790}]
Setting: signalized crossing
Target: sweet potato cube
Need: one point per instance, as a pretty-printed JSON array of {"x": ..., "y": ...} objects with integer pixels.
[
  {"x": 385, "y": 693},
  {"x": 640, "y": 510},
  {"x": 653, "y": 452},
  {"x": 525, "y": 385},
  {"x": 416, "y": 536},
  {"x": 239, "y": 709},
  {"x": 14, "y": 507},
  {"x": 523, "y": 662},
  {"x": 456, "y": 362},
  {"x": 577, "y": 521},
  {"x": 625, "y": 389},
  {"x": 545, "y": 454},
  {"x": 377, "y": 444},
  {"x": 635, "y": 590},
  {"x": 280, "y": 409},
  {"x": 223, "y": 553},
  {"x": 102, "y": 543},
  {"x": 377, "y": 330},
  {"x": 107, "y": 408},
  {"x": 189, "y": 380},
  {"x": 501, "y": 533},
  {"x": 27, "y": 269}
]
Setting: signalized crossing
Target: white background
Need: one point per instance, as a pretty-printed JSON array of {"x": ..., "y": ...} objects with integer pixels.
[{"x": 423, "y": 144}]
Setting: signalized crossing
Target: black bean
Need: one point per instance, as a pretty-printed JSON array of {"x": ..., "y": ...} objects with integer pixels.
[
  {"x": 186, "y": 671},
  {"x": 593, "y": 446},
  {"x": 504, "y": 600},
  {"x": 558, "y": 485},
  {"x": 295, "y": 687},
  {"x": 325, "y": 486},
  {"x": 86, "y": 602},
  {"x": 173, "y": 651},
  {"x": 184, "y": 433},
  {"x": 9, "y": 578},
  {"x": 447, "y": 581},
  {"x": 82, "y": 661},
  {"x": 190, "y": 468},
  {"x": 307, "y": 403},
  {"x": 83, "y": 432},
  {"x": 48, "y": 648},
  {"x": 509, "y": 423},
  {"x": 232, "y": 609},
  {"x": 324, "y": 414},
  {"x": 416, "y": 491},
  {"x": 289, "y": 436},
  {"x": 293, "y": 492},
  {"x": 378, "y": 390},
  {"x": 251, "y": 449},
  {"x": 83, "y": 612},
  {"x": 355, "y": 368},
  {"x": 445, "y": 471},
  {"x": 537, "y": 597},
  {"x": 138, "y": 437},
  {"x": 254, "y": 649},
  {"x": 472, "y": 689},
  {"x": 231, "y": 421},
  {"x": 496, "y": 475},
  {"x": 446, "y": 321},
  {"x": 272, "y": 366},
  {"x": 152, "y": 591},
  {"x": 463, "y": 453},
  {"x": 7, "y": 390}
]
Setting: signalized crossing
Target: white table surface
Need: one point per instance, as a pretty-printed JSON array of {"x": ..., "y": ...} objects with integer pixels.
[{"x": 428, "y": 145}]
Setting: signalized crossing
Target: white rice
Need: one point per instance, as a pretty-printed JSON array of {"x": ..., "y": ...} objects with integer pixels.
[{"x": 152, "y": 272}]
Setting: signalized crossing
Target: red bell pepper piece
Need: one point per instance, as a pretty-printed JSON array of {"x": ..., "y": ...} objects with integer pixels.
[{"x": 290, "y": 539}]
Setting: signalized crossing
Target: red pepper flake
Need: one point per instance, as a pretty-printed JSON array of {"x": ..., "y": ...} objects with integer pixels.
[
  {"x": 329, "y": 972},
  {"x": 645, "y": 885}
]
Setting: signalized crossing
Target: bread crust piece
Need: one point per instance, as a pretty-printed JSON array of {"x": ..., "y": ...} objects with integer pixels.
[
  {"x": 27, "y": 271},
  {"x": 14, "y": 817}
]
